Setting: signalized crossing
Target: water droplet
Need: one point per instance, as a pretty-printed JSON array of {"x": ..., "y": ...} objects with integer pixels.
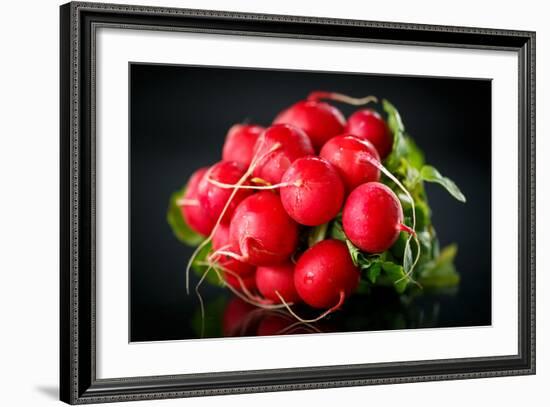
[{"x": 308, "y": 278}]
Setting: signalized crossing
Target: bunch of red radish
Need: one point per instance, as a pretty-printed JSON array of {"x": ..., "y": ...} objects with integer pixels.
[{"x": 274, "y": 183}]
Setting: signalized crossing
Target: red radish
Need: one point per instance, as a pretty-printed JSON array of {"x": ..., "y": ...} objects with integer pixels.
[
  {"x": 192, "y": 211},
  {"x": 220, "y": 241},
  {"x": 235, "y": 316},
  {"x": 239, "y": 143},
  {"x": 213, "y": 197},
  {"x": 369, "y": 125},
  {"x": 293, "y": 144},
  {"x": 312, "y": 192},
  {"x": 279, "y": 278},
  {"x": 221, "y": 237},
  {"x": 325, "y": 274},
  {"x": 319, "y": 120},
  {"x": 263, "y": 231},
  {"x": 372, "y": 217},
  {"x": 249, "y": 281},
  {"x": 347, "y": 154}
]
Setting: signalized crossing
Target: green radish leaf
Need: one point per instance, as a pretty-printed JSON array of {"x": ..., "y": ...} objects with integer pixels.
[
  {"x": 441, "y": 272},
  {"x": 336, "y": 231},
  {"x": 212, "y": 325},
  {"x": 399, "y": 147},
  {"x": 423, "y": 214},
  {"x": 404, "y": 146},
  {"x": 436, "y": 251},
  {"x": 200, "y": 265},
  {"x": 180, "y": 228},
  {"x": 398, "y": 247},
  {"x": 355, "y": 253},
  {"x": 407, "y": 257},
  {"x": 363, "y": 287},
  {"x": 415, "y": 156},
  {"x": 394, "y": 118},
  {"x": 430, "y": 174},
  {"x": 397, "y": 276},
  {"x": 425, "y": 240},
  {"x": 363, "y": 260},
  {"x": 448, "y": 254},
  {"x": 317, "y": 234},
  {"x": 412, "y": 177},
  {"x": 373, "y": 272}
]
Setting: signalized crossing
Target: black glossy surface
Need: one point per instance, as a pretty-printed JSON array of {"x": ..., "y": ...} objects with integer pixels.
[{"x": 179, "y": 116}]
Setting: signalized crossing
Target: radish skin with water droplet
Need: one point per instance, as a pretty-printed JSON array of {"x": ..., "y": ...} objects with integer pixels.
[
  {"x": 367, "y": 124},
  {"x": 373, "y": 217},
  {"x": 312, "y": 191},
  {"x": 325, "y": 275},
  {"x": 279, "y": 278},
  {"x": 263, "y": 231},
  {"x": 220, "y": 241},
  {"x": 213, "y": 198},
  {"x": 279, "y": 146},
  {"x": 319, "y": 120},
  {"x": 194, "y": 214},
  {"x": 346, "y": 153},
  {"x": 239, "y": 143}
]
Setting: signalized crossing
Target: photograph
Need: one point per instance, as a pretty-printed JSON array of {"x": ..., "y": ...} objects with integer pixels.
[
  {"x": 259, "y": 202},
  {"x": 274, "y": 203},
  {"x": 267, "y": 202}
]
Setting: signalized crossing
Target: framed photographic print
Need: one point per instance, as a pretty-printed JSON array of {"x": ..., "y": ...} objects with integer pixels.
[{"x": 257, "y": 203}]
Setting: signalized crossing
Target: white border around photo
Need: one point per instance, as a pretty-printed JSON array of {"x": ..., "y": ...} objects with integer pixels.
[{"x": 116, "y": 357}]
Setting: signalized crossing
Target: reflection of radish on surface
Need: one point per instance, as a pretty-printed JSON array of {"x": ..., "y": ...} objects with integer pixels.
[
  {"x": 273, "y": 324},
  {"x": 280, "y": 323},
  {"x": 236, "y": 313}
]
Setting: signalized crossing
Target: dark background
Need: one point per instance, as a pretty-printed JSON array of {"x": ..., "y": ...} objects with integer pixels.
[{"x": 179, "y": 116}]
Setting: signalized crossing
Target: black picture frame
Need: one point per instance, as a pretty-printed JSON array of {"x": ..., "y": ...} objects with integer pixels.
[{"x": 78, "y": 382}]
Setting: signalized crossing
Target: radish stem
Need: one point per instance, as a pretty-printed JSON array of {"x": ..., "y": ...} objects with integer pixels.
[
  {"x": 291, "y": 327},
  {"x": 228, "y": 254},
  {"x": 407, "y": 229},
  {"x": 412, "y": 233},
  {"x": 245, "y": 298},
  {"x": 339, "y": 97},
  {"x": 242, "y": 180},
  {"x": 256, "y": 187},
  {"x": 199, "y": 296},
  {"x": 187, "y": 202}
]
